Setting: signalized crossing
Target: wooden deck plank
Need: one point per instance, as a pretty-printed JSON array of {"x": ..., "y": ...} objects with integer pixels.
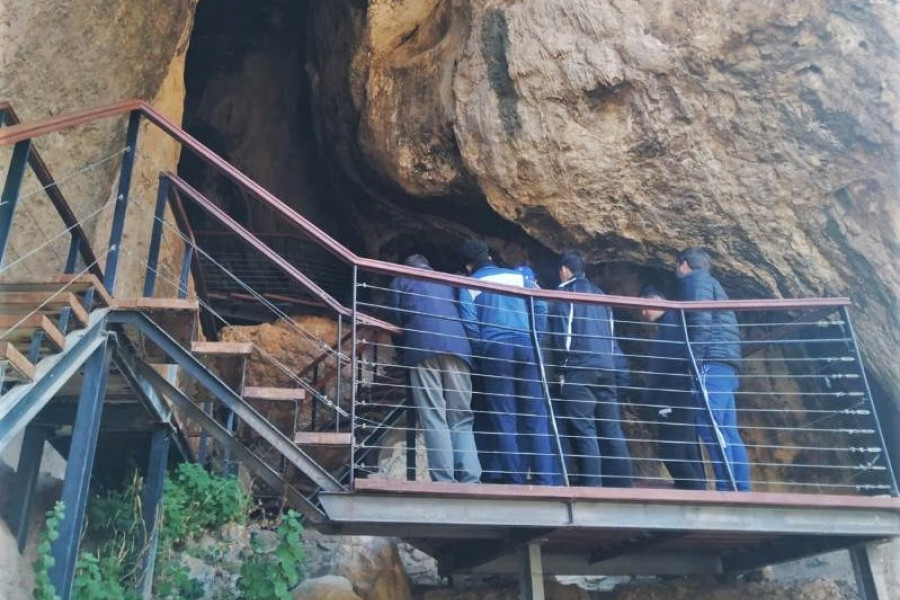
[
  {"x": 664, "y": 496},
  {"x": 49, "y": 303},
  {"x": 24, "y": 330},
  {"x": 77, "y": 283},
  {"x": 22, "y": 369}
]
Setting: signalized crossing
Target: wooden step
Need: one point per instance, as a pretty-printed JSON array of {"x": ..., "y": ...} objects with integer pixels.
[
  {"x": 49, "y": 303},
  {"x": 322, "y": 438},
  {"x": 274, "y": 394},
  {"x": 228, "y": 360},
  {"x": 21, "y": 335},
  {"x": 73, "y": 283},
  {"x": 222, "y": 349},
  {"x": 175, "y": 316},
  {"x": 17, "y": 367}
]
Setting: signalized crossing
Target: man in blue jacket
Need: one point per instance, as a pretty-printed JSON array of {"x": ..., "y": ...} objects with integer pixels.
[
  {"x": 667, "y": 388},
  {"x": 715, "y": 341},
  {"x": 435, "y": 348},
  {"x": 500, "y": 328},
  {"x": 585, "y": 352}
]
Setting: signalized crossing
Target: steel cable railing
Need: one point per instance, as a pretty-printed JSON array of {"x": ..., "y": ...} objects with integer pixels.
[{"x": 785, "y": 403}]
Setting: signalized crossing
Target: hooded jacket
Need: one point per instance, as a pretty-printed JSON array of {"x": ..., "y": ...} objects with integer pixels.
[{"x": 713, "y": 334}]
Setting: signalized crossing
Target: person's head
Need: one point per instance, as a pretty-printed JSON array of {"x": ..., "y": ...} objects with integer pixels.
[
  {"x": 571, "y": 264},
  {"x": 651, "y": 292},
  {"x": 474, "y": 253},
  {"x": 690, "y": 260},
  {"x": 417, "y": 260}
]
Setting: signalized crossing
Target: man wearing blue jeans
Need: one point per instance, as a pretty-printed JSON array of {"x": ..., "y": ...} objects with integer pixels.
[
  {"x": 516, "y": 415},
  {"x": 715, "y": 341}
]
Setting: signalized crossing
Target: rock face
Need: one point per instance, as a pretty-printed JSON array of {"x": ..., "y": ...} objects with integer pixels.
[
  {"x": 58, "y": 57},
  {"x": 765, "y": 131}
]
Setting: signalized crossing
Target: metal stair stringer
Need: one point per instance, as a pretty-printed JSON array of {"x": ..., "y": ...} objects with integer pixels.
[
  {"x": 22, "y": 403},
  {"x": 198, "y": 371}
]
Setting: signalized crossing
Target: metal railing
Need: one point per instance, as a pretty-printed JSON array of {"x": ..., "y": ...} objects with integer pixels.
[{"x": 802, "y": 408}]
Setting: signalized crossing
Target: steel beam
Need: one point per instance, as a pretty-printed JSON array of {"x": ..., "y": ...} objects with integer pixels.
[
  {"x": 531, "y": 574},
  {"x": 79, "y": 464},
  {"x": 9, "y": 198},
  {"x": 194, "y": 413},
  {"x": 153, "y": 492},
  {"x": 198, "y": 371},
  {"x": 672, "y": 563},
  {"x": 356, "y": 512},
  {"x": 868, "y": 569},
  {"x": 118, "y": 222},
  {"x": 22, "y": 403},
  {"x": 22, "y": 497}
]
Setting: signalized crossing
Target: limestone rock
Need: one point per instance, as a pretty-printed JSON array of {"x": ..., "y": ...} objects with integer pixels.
[
  {"x": 766, "y": 131},
  {"x": 328, "y": 587}
]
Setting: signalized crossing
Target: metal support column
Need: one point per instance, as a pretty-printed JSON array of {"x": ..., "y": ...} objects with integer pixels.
[
  {"x": 870, "y": 580},
  {"x": 720, "y": 439},
  {"x": 22, "y": 497},
  {"x": 10, "y": 195},
  {"x": 531, "y": 576},
  {"x": 162, "y": 195},
  {"x": 78, "y": 470},
  {"x": 153, "y": 492},
  {"x": 545, "y": 386},
  {"x": 118, "y": 222}
]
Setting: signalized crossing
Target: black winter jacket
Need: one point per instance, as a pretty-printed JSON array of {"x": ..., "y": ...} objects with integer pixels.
[
  {"x": 582, "y": 334},
  {"x": 669, "y": 373},
  {"x": 714, "y": 334}
]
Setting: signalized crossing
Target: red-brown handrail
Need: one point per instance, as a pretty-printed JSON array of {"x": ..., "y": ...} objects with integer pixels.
[
  {"x": 48, "y": 183},
  {"x": 21, "y": 132}
]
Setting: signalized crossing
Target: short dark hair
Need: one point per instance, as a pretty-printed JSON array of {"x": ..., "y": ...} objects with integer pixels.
[
  {"x": 651, "y": 291},
  {"x": 573, "y": 261},
  {"x": 696, "y": 258},
  {"x": 417, "y": 260},
  {"x": 474, "y": 252}
]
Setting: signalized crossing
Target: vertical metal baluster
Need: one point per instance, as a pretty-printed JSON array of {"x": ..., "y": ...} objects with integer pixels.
[
  {"x": 355, "y": 381},
  {"x": 338, "y": 376},
  {"x": 892, "y": 476},
  {"x": 118, "y": 223},
  {"x": 535, "y": 340},
  {"x": 162, "y": 196},
  {"x": 9, "y": 198}
]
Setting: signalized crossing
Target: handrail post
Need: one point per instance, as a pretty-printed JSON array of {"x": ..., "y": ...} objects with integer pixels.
[
  {"x": 892, "y": 476},
  {"x": 545, "y": 386},
  {"x": 74, "y": 252},
  {"x": 186, "y": 260},
  {"x": 354, "y": 362},
  {"x": 720, "y": 439},
  {"x": 10, "y": 195},
  {"x": 337, "y": 376},
  {"x": 118, "y": 223},
  {"x": 162, "y": 196}
]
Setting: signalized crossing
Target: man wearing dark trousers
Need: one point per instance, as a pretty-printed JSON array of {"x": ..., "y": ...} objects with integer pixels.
[
  {"x": 435, "y": 348},
  {"x": 715, "y": 341},
  {"x": 667, "y": 389},
  {"x": 585, "y": 362},
  {"x": 517, "y": 416}
]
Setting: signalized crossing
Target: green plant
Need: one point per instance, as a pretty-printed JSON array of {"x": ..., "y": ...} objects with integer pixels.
[
  {"x": 43, "y": 588},
  {"x": 102, "y": 578},
  {"x": 271, "y": 574}
]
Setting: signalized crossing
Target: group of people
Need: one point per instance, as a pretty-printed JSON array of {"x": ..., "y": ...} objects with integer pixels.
[{"x": 517, "y": 434}]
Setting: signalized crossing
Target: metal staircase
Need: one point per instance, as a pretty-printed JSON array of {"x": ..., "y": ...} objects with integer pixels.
[{"x": 85, "y": 367}]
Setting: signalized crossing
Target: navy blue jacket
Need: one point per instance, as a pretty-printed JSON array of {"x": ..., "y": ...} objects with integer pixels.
[
  {"x": 669, "y": 374},
  {"x": 714, "y": 334},
  {"x": 429, "y": 316},
  {"x": 582, "y": 334},
  {"x": 488, "y": 316}
]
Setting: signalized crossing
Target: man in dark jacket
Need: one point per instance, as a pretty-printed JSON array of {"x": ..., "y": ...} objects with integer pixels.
[
  {"x": 500, "y": 327},
  {"x": 585, "y": 352},
  {"x": 435, "y": 348},
  {"x": 667, "y": 388},
  {"x": 715, "y": 342}
]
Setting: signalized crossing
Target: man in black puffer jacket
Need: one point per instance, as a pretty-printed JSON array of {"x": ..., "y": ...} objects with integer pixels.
[
  {"x": 715, "y": 341},
  {"x": 585, "y": 352}
]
